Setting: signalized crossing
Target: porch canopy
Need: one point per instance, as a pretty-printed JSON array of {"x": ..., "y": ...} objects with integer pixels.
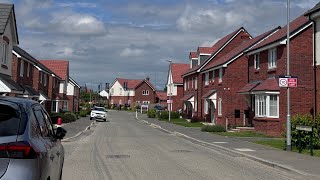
[
  {"x": 7, "y": 85},
  {"x": 211, "y": 95},
  {"x": 189, "y": 98},
  {"x": 270, "y": 84},
  {"x": 29, "y": 91},
  {"x": 248, "y": 87},
  {"x": 43, "y": 96}
]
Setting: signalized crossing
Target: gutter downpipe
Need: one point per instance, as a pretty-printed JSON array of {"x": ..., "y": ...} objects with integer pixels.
[{"x": 314, "y": 68}]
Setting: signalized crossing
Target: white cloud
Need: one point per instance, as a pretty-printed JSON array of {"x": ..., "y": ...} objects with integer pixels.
[
  {"x": 128, "y": 52},
  {"x": 77, "y": 24},
  {"x": 77, "y": 4}
]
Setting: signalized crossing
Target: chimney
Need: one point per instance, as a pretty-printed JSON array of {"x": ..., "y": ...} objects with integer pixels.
[{"x": 147, "y": 78}]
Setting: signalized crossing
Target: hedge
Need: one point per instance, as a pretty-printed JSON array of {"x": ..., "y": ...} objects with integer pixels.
[{"x": 213, "y": 128}]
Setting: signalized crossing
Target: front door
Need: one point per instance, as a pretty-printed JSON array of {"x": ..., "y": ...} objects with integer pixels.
[{"x": 212, "y": 112}]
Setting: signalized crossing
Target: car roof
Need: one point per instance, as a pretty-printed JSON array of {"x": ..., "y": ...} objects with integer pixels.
[{"x": 26, "y": 103}]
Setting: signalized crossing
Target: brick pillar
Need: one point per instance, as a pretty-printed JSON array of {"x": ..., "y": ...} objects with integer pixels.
[
  {"x": 14, "y": 68},
  {"x": 36, "y": 79},
  {"x": 50, "y": 87}
]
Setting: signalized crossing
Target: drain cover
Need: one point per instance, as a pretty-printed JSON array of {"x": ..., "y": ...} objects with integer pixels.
[
  {"x": 181, "y": 151},
  {"x": 117, "y": 156}
]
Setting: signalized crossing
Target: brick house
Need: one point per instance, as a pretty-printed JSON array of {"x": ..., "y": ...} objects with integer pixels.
[
  {"x": 314, "y": 15},
  {"x": 223, "y": 78},
  {"x": 8, "y": 39},
  {"x": 61, "y": 69},
  {"x": 175, "y": 84},
  {"x": 161, "y": 98},
  {"x": 132, "y": 91},
  {"x": 267, "y": 61},
  {"x": 73, "y": 94},
  {"x": 193, "y": 80}
]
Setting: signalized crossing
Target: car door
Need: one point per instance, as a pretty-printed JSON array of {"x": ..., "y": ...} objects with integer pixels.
[
  {"x": 50, "y": 156},
  {"x": 58, "y": 148}
]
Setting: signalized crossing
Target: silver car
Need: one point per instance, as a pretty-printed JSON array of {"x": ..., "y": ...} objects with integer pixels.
[{"x": 30, "y": 148}]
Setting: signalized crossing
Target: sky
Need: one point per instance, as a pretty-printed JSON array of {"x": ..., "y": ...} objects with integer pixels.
[{"x": 108, "y": 39}]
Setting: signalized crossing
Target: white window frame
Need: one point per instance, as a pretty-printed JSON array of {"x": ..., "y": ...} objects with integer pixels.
[
  {"x": 220, "y": 107},
  {"x": 206, "y": 107},
  {"x": 145, "y": 102},
  {"x": 220, "y": 75},
  {"x": 213, "y": 76},
  {"x": 145, "y": 92},
  {"x": 21, "y": 68},
  {"x": 5, "y": 54},
  {"x": 65, "y": 105},
  {"x": 206, "y": 79},
  {"x": 260, "y": 105},
  {"x": 40, "y": 74},
  {"x": 28, "y": 70},
  {"x": 45, "y": 80},
  {"x": 256, "y": 61},
  {"x": 192, "y": 83},
  {"x": 196, "y": 83},
  {"x": 272, "y": 58},
  {"x": 185, "y": 85}
]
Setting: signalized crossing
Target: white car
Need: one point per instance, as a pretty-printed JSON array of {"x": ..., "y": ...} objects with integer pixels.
[{"x": 98, "y": 113}]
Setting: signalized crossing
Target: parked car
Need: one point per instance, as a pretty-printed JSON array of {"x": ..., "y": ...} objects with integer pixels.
[
  {"x": 30, "y": 147},
  {"x": 98, "y": 113},
  {"x": 158, "y": 108}
]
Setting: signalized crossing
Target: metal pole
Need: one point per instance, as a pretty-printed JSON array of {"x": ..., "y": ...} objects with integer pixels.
[
  {"x": 288, "y": 74},
  {"x": 170, "y": 104}
]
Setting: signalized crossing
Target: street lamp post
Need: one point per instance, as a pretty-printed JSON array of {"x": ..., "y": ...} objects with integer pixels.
[
  {"x": 288, "y": 74},
  {"x": 170, "y": 91}
]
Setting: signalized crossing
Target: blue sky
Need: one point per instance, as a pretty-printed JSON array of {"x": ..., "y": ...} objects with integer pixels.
[{"x": 105, "y": 39}]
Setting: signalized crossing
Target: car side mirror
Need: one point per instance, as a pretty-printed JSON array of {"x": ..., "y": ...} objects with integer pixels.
[{"x": 60, "y": 133}]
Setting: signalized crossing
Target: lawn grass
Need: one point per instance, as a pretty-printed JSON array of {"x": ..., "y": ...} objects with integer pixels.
[
  {"x": 280, "y": 144},
  {"x": 183, "y": 122},
  {"x": 240, "y": 134}
]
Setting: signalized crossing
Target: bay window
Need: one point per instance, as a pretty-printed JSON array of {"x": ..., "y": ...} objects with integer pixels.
[{"x": 267, "y": 105}]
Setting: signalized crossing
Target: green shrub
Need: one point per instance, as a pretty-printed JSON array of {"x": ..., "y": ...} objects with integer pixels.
[
  {"x": 214, "y": 128},
  {"x": 305, "y": 120},
  {"x": 196, "y": 119},
  {"x": 151, "y": 113},
  {"x": 174, "y": 115},
  {"x": 83, "y": 113},
  {"x": 165, "y": 115},
  {"x": 68, "y": 117}
]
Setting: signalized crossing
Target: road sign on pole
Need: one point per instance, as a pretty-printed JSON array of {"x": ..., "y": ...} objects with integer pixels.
[{"x": 288, "y": 81}]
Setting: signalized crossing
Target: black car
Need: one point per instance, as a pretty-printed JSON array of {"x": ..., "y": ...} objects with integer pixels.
[{"x": 158, "y": 108}]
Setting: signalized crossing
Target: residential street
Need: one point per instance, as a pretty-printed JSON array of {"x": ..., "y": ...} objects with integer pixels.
[{"x": 126, "y": 148}]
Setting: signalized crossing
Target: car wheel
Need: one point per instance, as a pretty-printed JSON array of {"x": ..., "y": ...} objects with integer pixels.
[
  {"x": 104, "y": 120},
  {"x": 90, "y": 118}
]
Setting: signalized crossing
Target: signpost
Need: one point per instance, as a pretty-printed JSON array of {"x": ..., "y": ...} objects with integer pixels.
[
  {"x": 288, "y": 81},
  {"x": 307, "y": 129}
]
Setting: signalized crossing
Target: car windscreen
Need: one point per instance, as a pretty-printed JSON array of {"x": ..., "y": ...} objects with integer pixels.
[
  {"x": 9, "y": 121},
  {"x": 99, "y": 109}
]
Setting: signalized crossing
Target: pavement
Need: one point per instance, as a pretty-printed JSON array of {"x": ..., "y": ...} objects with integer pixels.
[
  {"x": 126, "y": 148},
  {"x": 288, "y": 161},
  {"x": 77, "y": 127}
]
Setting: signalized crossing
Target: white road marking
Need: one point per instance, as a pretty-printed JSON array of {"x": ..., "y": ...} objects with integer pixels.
[{"x": 244, "y": 150}]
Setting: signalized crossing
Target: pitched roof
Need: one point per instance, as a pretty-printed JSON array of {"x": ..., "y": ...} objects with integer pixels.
[
  {"x": 248, "y": 87},
  {"x": 162, "y": 95},
  {"x": 270, "y": 84},
  {"x": 216, "y": 48},
  {"x": 205, "y": 50},
  {"x": 239, "y": 50},
  {"x": 131, "y": 83},
  {"x": 59, "y": 67},
  {"x": 294, "y": 26},
  {"x": 6, "y": 10},
  {"x": 314, "y": 9},
  {"x": 177, "y": 70},
  {"x": 193, "y": 55},
  {"x": 147, "y": 82},
  {"x": 10, "y": 83}
]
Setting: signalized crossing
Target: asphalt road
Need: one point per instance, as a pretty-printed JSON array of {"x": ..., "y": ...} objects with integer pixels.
[{"x": 126, "y": 148}]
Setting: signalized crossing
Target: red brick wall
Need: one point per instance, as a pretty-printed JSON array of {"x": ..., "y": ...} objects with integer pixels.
[
  {"x": 177, "y": 102},
  {"x": 138, "y": 93},
  {"x": 25, "y": 80},
  {"x": 301, "y": 65},
  {"x": 36, "y": 79},
  {"x": 233, "y": 79},
  {"x": 70, "y": 103}
]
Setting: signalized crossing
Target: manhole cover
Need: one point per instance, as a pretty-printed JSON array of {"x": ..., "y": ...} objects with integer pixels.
[
  {"x": 181, "y": 151},
  {"x": 117, "y": 156}
]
